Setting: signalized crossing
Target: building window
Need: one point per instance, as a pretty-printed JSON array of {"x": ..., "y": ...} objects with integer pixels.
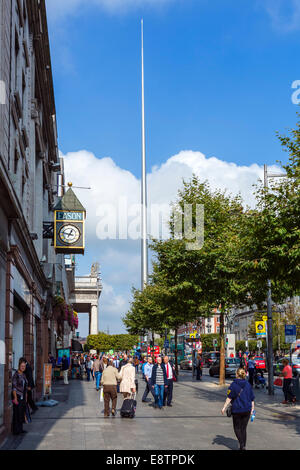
[
  {"x": 17, "y": 157},
  {"x": 23, "y": 88},
  {"x": 17, "y": 48}
]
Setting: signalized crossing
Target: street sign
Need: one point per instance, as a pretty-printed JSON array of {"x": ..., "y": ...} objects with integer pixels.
[
  {"x": 290, "y": 332},
  {"x": 260, "y": 328},
  {"x": 259, "y": 344},
  {"x": 265, "y": 318},
  {"x": 166, "y": 344},
  {"x": 154, "y": 349}
]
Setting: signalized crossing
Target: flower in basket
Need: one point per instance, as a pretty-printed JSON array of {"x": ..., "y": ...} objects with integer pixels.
[
  {"x": 58, "y": 300},
  {"x": 66, "y": 312},
  {"x": 58, "y": 307}
]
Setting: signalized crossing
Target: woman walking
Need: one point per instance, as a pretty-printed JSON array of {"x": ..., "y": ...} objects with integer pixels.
[
  {"x": 127, "y": 374},
  {"x": 241, "y": 396},
  {"x": 287, "y": 375},
  {"x": 19, "y": 398}
]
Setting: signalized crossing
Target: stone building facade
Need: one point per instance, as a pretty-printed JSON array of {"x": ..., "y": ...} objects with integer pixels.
[{"x": 31, "y": 274}]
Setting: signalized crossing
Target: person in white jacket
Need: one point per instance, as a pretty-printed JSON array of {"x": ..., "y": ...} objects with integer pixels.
[{"x": 127, "y": 374}]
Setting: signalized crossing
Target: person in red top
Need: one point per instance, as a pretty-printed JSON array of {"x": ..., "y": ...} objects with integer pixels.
[{"x": 287, "y": 375}]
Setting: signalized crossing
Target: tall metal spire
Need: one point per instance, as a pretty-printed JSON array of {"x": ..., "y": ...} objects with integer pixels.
[{"x": 144, "y": 248}]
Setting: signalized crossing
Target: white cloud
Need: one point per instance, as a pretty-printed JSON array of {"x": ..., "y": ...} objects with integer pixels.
[
  {"x": 57, "y": 9},
  {"x": 120, "y": 259},
  {"x": 112, "y": 186},
  {"x": 284, "y": 14}
]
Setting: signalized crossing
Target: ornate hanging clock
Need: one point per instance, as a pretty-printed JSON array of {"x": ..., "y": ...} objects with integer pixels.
[
  {"x": 69, "y": 234},
  {"x": 69, "y": 220}
]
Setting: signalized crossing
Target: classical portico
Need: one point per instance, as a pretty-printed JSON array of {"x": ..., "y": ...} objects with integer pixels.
[{"x": 85, "y": 296}]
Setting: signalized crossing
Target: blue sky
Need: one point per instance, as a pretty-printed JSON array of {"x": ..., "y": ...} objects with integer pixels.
[{"x": 218, "y": 79}]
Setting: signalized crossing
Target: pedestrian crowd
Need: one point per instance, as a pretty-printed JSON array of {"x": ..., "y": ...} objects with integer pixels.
[{"x": 118, "y": 373}]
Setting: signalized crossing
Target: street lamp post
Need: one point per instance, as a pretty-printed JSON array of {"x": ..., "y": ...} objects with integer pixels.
[
  {"x": 269, "y": 304},
  {"x": 144, "y": 273}
]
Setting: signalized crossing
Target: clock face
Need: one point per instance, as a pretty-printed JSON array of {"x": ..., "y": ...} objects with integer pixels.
[{"x": 69, "y": 234}]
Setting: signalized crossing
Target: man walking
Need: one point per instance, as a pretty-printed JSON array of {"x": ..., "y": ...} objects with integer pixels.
[
  {"x": 123, "y": 361},
  {"x": 30, "y": 386},
  {"x": 65, "y": 369},
  {"x": 97, "y": 371},
  {"x": 148, "y": 373},
  {"x": 199, "y": 365},
  {"x": 116, "y": 362},
  {"x": 109, "y": 379},
  {"x": 159, "y": 382},
  {"x": 170, "y": 372},
  {"x": 88, "y": 367},
  {"x": 251, "y": 369}
]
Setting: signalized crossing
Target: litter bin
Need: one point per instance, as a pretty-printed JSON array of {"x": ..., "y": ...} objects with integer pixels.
[{"x": 296, "y": 387}]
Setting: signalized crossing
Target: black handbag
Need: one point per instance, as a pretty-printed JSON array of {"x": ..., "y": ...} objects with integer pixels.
[{"x": 229, "y": 407}]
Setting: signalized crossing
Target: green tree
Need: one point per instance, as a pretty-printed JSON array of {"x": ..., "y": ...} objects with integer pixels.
[
  {"x": 103, "y": 342},
  {"x": 207, "y": 341},
  {"x": 176, "y": 292},
  {"x": 271, "y": 234},
  {"x": 216, "y": 268}
]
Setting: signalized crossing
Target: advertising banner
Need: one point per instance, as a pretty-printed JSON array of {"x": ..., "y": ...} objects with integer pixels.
[{"x": 47, "y": 379}]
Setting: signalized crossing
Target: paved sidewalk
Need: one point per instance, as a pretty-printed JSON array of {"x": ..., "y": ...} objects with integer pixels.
[
  {"x": 194, "y": 422},
  {"x": 262, "y": 398}
]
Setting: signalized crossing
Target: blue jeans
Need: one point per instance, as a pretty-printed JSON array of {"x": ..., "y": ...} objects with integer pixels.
[
  {"x": 159, "y": 395},
  {"x": 98, "y": 378},
  {"x": 88, "y": 373}
]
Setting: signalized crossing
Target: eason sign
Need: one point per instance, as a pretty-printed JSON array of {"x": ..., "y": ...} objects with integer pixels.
[
  {"x": 69, "y": 232},
  {"x": 290, "y": 332},
  {"x": 69, "y": 222}
]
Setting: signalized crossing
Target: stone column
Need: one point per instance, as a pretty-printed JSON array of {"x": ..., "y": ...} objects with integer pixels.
[{"x": 94, "y": 319}]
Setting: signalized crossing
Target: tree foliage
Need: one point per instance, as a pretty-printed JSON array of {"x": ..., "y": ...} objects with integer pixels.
[{"x": 103, "y": 342}]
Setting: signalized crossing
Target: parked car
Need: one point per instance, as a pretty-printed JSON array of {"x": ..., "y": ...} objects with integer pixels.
[
  {"x": 209, "y": 358},
  {"x": 260, "y": 363},
  {"x": 231, "y": 366},
  {"x": 278, "y": 366},
  {"x": 186, "y": 363}
]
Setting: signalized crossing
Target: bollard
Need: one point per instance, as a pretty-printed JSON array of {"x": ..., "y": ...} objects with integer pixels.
[{"x": 296, "y": 387}]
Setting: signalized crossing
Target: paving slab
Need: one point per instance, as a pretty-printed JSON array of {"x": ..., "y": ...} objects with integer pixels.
[{"x": 194, "y": 422}]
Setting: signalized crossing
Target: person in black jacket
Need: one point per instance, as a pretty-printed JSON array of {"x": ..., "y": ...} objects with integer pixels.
[
  {"x": 19, "y": 398},
  {"x": 30, "y": 386},
  {"x": 240, "y": 394},
  {"x": 159, "y": 383},
  {"x": 123, "y": 362},
  {"x": 65, "y": 369},
  {"x": 171, "y": 375}
]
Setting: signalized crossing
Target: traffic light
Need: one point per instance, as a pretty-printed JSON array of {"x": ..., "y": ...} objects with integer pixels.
[{"x": 226, "y": 340}]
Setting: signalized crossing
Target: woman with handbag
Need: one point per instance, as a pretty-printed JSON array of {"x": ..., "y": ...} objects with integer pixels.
[
  {"x": 287, "y": 375},
  {"x": 19, "y": 398},
  {"x": 127, "y": 374},
  {"x": 240, "y": 405}
]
